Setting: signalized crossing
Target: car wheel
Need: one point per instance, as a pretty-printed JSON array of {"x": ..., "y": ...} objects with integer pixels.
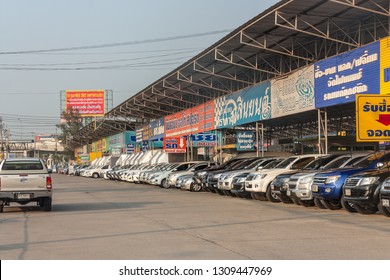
[
  {"x": 195, "y": 187},
  {"x": 1, "y": 206},
  {"x": 95, "y": 175},
  {"x": 385, "y": 210},
  {"x": 296, "y": 201},
  {"x": 47, "y": 204},
  {"x": 331, "y": 204},
  {"x": 307, "y": 203},
  {"x": 271, "y": 196},
  {"x": 318, "y": 203},
  {"x": 164, "y": 184},
  {"x": 347, "y": 205},
  {"x": 366, "y": 210},
  {"x": 258, "y": 196},
  {"x": 285, "y": 199}
]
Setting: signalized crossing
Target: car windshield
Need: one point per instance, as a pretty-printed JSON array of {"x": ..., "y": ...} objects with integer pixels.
[
  {"x": 369, "y": 159},
  {"x": 285, "y": 163},
  {"x": 255, "y": 163},
  {"x": 336, "y": 162},
  {"x": 172, "y": 167},
  {"x": 273, "y": 164}
]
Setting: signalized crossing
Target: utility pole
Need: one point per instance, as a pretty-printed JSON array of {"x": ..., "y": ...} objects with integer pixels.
[{"x": 1, "y": 138}]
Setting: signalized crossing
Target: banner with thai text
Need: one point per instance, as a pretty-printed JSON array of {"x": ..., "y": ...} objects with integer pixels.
[
  {"x": 246, "y": 106},
  {"x": 190, "y": 121},
  {"x": 338, "y": 79},
  {"x": 293, "y": 93}
]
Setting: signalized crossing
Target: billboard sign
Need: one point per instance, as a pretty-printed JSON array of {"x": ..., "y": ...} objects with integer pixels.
[
  {"x": 157, "y": 129},
  {"x": 175, "y": 145},
  {"x": 338, "y": 79},
  {"x": 246, "y": 106},
  {"x": 190, "y": 121},
  {"x": 294, "y": 93},
  {"x": 204, "y": 139},
  {"x": 372, "y": 118},
  {"x": 245, "y": 141},
  {"x": 89, "y": 103}
]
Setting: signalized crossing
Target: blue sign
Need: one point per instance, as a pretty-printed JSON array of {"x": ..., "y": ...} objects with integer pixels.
[
  {"x": 157, "y": 129},
  {"x": 130, "y": 149},
  {"x": 338, "y": 79},
  {"x": 145, "y": 146},
  {"x": 246, "y": 106},
  {"x": 245, "y": 141},
  {"x": 204, "y": 139}
]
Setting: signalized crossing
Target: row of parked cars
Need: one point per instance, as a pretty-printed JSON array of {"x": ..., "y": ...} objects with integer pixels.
[{"x": 357, "y": 182}]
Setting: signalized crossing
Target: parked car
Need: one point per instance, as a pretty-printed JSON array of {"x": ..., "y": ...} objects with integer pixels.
[
  {"x": 299, "y": 184},
  {"x": 171, "y": 179},
  {"x": 200, "y": 177},
  {"x": 95, "y": 172},
  {"x": 259, "y": 182},
  {"x": 213, "y": 176},
  {"x": 225, "y": 181},
  {"x": 327, "y": 186},
  {"x": 238, "y": 181},
  {"x": 160, "y": 178},
  {"x": 363, "y": 189},
  {"x": 384, "y": 197}
]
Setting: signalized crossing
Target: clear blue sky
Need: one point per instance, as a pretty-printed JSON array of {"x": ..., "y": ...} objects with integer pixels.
[{"x": 30, "y": 83}]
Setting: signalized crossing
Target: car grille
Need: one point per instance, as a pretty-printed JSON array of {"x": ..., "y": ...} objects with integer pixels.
[
  {"x": 352, "y": 182},
  {"x": 292, "y": 183},
  {"x": 319, "y": 180}
]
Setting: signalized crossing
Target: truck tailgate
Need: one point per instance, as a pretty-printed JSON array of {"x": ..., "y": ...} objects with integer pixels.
[{"x": 23, "y": 182}]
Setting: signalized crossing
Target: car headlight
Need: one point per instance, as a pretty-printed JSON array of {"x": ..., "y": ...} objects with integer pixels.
[
  {"x": 260, "y": 176},
  {"x": 228, "y": 176},
  {"x": 284, "y": 180},
  {"x": 332, "y": 179},
  {"x": 216, "y": 176},
  {"x": 368, "y": 181},
  {"x": 202, "y": 173},
  {"x": 306, "y": 180}
]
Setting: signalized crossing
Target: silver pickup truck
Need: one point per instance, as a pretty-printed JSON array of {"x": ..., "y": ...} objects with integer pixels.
[{"x": 24, "y": 180}]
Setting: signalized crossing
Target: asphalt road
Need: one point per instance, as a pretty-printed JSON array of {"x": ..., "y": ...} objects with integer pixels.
[{"x": 95, "y": 219}]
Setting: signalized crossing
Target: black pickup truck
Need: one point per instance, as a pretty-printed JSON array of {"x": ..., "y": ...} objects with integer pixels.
[{"x": 362, "y": 190}]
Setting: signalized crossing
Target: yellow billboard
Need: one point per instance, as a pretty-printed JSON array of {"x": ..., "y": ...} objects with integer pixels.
[
  {"x": 372, "y": 118},
  {"x": 385, "y": 65}
]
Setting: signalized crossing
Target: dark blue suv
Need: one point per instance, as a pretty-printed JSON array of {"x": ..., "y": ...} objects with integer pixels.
[{"x": 327, "y": 186}]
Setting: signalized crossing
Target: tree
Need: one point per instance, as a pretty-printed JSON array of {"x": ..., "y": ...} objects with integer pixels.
[{"x": 71, "y": 125}]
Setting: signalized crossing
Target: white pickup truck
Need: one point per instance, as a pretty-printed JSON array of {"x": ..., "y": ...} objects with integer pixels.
[{"x": 24, "y": 180}]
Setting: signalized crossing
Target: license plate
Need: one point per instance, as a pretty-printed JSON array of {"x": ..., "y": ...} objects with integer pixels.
[
  {"x": 288, "y": 193},
  {"x": 386, "y": 202},
  {"x": 23, "y": 196},
  {"x": 314, "y": 188},
  {"x": 348, "y": 192}
]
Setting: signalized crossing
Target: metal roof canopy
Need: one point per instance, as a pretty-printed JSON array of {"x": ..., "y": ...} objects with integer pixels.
[{"x": 289, "y": 35}]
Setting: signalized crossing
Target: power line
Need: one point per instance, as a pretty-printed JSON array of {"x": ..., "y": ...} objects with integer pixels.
[{"x": 118, "y": 44}]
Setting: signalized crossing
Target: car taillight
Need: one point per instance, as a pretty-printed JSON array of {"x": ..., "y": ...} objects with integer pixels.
[{"x": 48, "y": 183}]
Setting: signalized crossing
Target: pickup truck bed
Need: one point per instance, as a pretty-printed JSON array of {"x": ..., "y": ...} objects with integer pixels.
[{"x": 25, "y": 180}]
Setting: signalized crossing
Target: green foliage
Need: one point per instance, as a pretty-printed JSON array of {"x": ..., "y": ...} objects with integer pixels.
[{"x": 72, "y": 124}]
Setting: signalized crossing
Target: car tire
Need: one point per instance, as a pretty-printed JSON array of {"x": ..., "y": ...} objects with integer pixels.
[
  {"x": 47, "y": 204},
  {"x": 331, "y": 204},
  {"x": 307, "y": 203},
  {"x": 258, "y": 196},
  {"x": 285, "y": 199},
  {"x": 385, "y": 210},
  {"x": 95, "y": 175},
  {"x": 195, "y": 187},
  {"x": 296, "y": 201},
  {"x": 366, "y": 210},
  {"x": 347, "y": 205},
  {"x": 164, "y": 184},
  {"x": 318, "y": 203},
  {"x": 1, "y": 206},
  {"x": 271, "y": 196}
]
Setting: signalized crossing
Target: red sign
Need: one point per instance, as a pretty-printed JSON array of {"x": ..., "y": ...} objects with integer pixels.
[
  {"x": 87, "y": 102},
  {"x": 175, "y": 145},
  {"x": 190, "y": 121}
]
